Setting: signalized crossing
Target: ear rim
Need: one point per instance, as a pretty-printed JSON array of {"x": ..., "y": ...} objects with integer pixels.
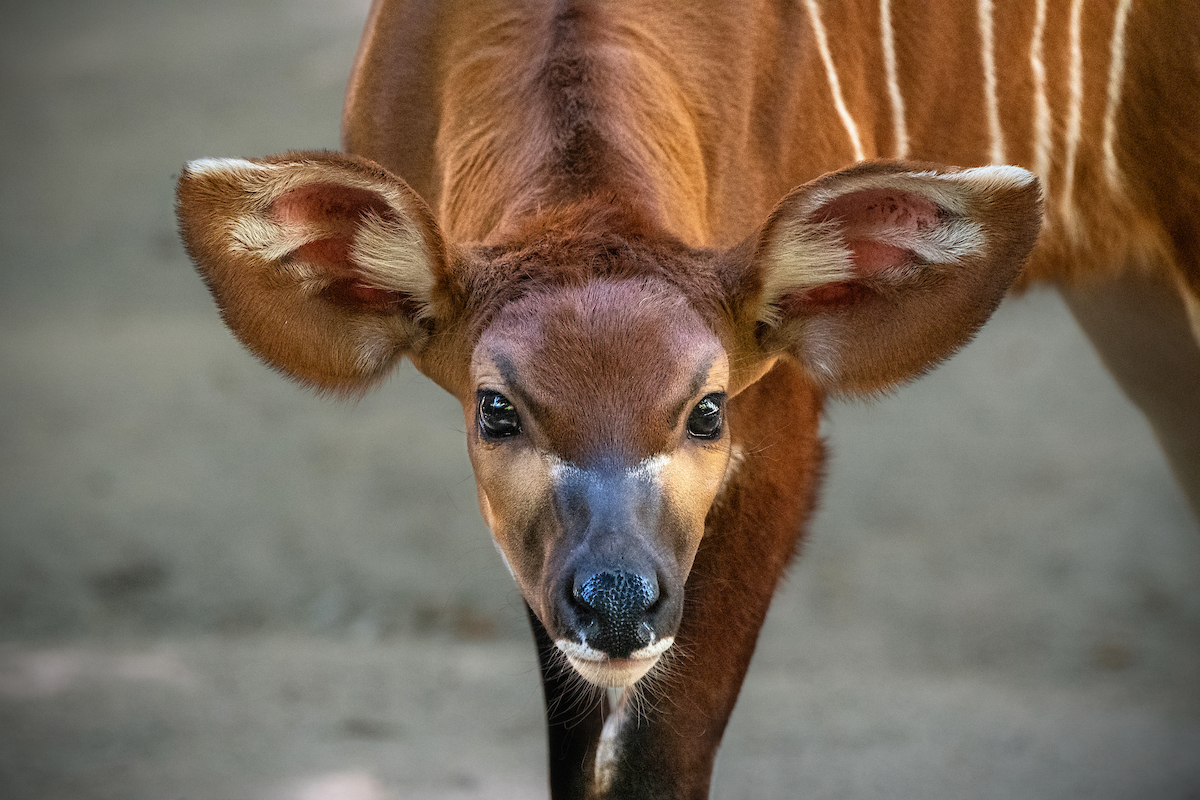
[
  {"x": 223, "y": 207},
  {"x": 972, "y": 195}
]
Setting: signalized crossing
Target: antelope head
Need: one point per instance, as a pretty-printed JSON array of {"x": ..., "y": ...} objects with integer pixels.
[{"x": 596, "y": 358}]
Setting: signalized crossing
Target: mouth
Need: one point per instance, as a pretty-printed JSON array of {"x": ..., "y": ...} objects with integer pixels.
[{"x": 602, "y": 670}]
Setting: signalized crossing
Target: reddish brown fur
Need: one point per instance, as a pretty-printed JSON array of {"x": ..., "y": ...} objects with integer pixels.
[
  {"x": 610, "y": 245},
  {"x": 740, "y": 86}
]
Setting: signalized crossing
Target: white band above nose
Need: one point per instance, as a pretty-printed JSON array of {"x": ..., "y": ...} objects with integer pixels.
[{"x": 649, "y": 468}]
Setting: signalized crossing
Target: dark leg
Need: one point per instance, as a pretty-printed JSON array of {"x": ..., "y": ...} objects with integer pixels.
[{"x": 573, "y": 719}]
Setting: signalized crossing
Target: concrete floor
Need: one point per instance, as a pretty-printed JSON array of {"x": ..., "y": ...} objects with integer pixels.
[{"x": 214, "y": 586}]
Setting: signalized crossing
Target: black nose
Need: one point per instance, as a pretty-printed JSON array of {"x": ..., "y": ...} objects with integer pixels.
[{"x": 612, "y": 608}]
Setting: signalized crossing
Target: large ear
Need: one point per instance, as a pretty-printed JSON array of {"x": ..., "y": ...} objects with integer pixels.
[
  {"x": 324, "y": 265},
  {"x": 874, "y": 274}
]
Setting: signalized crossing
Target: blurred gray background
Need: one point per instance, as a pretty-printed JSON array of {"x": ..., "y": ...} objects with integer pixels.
[{"x": 214, "y": 586}]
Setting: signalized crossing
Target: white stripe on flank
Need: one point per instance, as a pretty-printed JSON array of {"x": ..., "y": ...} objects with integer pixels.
[
  {"x": 1116, "y": 74},
  {"x": 835, "y": 86},
  {"x": 989, "y": 81},
  {"x": 1041, "y": 119},
  {"x": 1075, "y": 119},
  {"x": 899, "y": 125}
]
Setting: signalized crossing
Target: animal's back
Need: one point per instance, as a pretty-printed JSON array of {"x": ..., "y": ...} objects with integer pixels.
[{"x": 1099, "y": 99}]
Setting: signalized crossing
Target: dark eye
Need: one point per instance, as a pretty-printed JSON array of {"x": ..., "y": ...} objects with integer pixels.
[
  {"x": 707, "y": 417},
  {"x": 498, "y": 418}
]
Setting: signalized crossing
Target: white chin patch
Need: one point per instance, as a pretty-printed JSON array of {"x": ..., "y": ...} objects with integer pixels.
[{"x": 600, "y": 670}]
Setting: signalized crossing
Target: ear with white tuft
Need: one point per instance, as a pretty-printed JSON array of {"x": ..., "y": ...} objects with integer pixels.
[
  {"x": 324, "y": 265},
  {"x": 872, "y": 275}
]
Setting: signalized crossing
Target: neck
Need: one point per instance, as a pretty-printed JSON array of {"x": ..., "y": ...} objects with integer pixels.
[{"x": 583, "y": 108}]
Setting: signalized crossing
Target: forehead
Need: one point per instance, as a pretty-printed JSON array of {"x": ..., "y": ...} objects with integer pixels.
[{"x": 606, "y": 364}]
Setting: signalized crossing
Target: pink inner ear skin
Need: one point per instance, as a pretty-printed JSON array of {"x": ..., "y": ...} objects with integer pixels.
[
  {"x": 338, "y": 210},
  {"x": 327, "y": 204},
  {"x": 865, "y": 215},
  {"x": 877, "y": 258},
  {"x": 368, "y": 298},
  {"x": 829, "y": 297},
  {"x": 331, "y": 257},
  {"x": 881, "y": 208}
]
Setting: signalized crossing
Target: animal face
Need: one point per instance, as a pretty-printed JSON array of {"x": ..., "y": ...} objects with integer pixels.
[{"x": 597, "y": 432}]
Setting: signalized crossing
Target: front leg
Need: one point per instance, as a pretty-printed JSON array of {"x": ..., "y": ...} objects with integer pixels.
[
  {"x": 661, "y": 738},
  {"x": 573, "y": 718}
]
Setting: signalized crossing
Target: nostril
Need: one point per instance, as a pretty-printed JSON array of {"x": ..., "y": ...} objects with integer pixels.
[
  {"x": 613, "y": 609},
  {"x": 615, "y": 594}
]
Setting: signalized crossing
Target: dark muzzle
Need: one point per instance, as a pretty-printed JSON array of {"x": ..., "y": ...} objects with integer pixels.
[{"x": 612, "y": 609}]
